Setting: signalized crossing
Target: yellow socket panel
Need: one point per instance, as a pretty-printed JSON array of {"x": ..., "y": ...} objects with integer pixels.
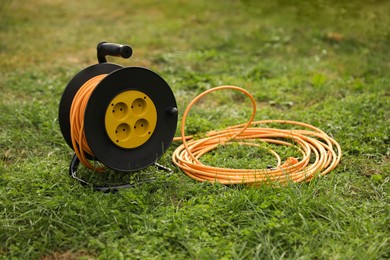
[{"x": 131, "y": 118}]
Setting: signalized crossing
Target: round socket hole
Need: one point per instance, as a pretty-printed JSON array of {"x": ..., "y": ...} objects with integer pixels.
[
  {"x": 122, "y": 131},
  {"x": 141, "y": 127},
  {"x": 138, "y": 106},
  {"x": 119, "y": 110}
]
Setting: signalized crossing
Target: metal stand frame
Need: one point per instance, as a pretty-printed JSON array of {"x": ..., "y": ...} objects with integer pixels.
[{"x": 109, "y": 188}]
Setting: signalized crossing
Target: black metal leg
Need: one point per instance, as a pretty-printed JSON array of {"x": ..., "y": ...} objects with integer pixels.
[{"x": 109, "y": 188}]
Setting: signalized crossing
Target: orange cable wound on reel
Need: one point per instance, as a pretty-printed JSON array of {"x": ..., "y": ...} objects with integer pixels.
[
  {"x": 326, "y": 150},
  {"x": 77, "y": 111}
]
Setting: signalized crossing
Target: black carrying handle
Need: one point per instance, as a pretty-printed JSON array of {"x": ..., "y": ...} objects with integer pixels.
[{"x": 112, "y": 49}]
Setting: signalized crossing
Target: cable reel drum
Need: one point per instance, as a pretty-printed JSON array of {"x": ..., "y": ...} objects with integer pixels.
[{"x": 130, "y": 117}]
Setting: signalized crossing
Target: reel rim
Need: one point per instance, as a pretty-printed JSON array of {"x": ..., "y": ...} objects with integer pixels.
[{"x": 154, "y": 86}]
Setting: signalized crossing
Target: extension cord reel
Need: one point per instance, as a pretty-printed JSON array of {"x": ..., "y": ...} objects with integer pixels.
[{"x": 128, "y": 121}]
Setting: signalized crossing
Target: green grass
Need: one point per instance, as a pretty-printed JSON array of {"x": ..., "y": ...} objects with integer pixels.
[{"x": 325, "y": 63}]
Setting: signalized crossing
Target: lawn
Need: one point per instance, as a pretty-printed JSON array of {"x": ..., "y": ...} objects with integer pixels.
[{"x": 325, "y": 63}]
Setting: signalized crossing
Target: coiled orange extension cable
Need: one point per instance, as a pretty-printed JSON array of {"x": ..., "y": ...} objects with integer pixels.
[
  {"x": 77, "y": 111},
  {"x": 187, "y": 155},
  {"x": 313, "y": 141}
]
